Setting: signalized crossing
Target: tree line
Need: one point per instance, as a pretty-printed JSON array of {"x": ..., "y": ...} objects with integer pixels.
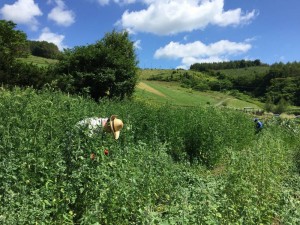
[
  {"x": 205, "y": 67},
  {"x": 271, "y": 83},
  {"x": 107, "y": 68}
]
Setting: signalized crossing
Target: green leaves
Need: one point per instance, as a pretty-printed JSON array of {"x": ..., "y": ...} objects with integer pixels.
[
  {"x": 12, "y": 44},
  {"x": 169, "y": 166},
  {"x": 106, "y": 69}
]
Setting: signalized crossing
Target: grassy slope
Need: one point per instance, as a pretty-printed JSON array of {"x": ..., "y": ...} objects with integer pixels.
[
  {"x": 176, "y": 95},
  {"x": 40, "y": 61}
]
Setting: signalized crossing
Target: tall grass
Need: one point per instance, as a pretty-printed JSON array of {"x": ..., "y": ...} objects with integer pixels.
[{"x": 171, "y": 165}]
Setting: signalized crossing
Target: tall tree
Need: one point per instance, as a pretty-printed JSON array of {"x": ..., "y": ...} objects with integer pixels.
[
  {"x": 105, "y": 69},
  {"x": 13, "y": 44},
  {"x": 120, "y": 56}
]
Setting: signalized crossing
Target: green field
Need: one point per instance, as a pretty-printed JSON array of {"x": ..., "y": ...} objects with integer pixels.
[
  {"x": 39, "y": 61},
  {"x": 188, "y": 165}
]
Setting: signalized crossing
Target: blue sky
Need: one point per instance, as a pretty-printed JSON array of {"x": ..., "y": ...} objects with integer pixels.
[{"x": 168, "y": 33}]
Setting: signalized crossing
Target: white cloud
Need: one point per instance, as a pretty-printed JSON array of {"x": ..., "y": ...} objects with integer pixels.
[
  {"x": 251, "y": 39},
  {"x": 103, "y": 2},
  {"x": 137, "y": 44},
  {"x": 54, "y": 38},
  {"x": 165, "y": 17},
  {"x": 60, "y": 15},
  {"x": 197, "y": 51},
  {"x": 22, "y": 12},
  {"x": 187, "y": 61},
  {"x": 120, "y": 2}
]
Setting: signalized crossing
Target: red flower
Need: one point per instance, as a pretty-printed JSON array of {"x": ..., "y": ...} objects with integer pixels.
[
  {"x": 106, "y": 152},
  {"x": 92, "y": 156}
]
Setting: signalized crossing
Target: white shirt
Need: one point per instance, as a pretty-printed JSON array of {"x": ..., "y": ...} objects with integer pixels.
[{"x": 93, "y": 124}]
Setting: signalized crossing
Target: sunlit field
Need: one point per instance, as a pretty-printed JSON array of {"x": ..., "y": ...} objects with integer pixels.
[{"x": 171, "y": 165}]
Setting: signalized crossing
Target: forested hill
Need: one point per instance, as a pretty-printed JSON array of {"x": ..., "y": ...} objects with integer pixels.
[{"x": 272, "y": 83}]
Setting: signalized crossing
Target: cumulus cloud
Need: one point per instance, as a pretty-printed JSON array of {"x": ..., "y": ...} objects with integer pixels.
[
  {"x": 54, "y": 38},
  {"x": 22, "y": 12},
  {"x": 199, "y": 52},
  {"x": 166, "y": 17},
  {"x": 61, "y": 15}
]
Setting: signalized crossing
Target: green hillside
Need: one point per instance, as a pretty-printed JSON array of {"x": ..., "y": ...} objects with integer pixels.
[
  {"x": 40, "y": 61},
  {"x": 173, "y": 93},
  {"x": 161, "y": 86}
]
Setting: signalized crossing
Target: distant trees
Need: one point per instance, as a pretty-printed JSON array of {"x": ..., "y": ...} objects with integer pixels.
[
  {"x": 105, "y": 69},
  {"x": 44, "y": 49},
  {"x": 14, "y": 44},
  {"x": 279, "y": 83},
  {"x": 282, "y": 81},
  {"x": 225, "y": 65}
]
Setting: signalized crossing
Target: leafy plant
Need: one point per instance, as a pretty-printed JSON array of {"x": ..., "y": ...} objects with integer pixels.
[{"x": 156, "y": 172}]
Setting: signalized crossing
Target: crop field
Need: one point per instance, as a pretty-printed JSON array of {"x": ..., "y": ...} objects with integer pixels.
[{"x": 171, "y": 165}]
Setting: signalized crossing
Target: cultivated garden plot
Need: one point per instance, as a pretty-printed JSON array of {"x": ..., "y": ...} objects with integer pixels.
[{"x": 171, "y": 165}]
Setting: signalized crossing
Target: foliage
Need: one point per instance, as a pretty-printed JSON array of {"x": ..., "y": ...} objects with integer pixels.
[
  {"x": 225, "y": 65},
  {"x": 44, "y": 49},
  {"x": 12, "y": 44},
  {"x": 48, "y": 174},
  {"x": 282, "y": 81},
  {"x": 221, "y": 84},
  {"x": 189, "y": 79},
  {"x": 269, "y": 106},
  {"x": 213, "y": 131},
  {"x": 282, "y": 106},
  {"x": 256, "y": 79},
  {"x": 283, "y": 88},
  {"x": 24, "y": 75},
  {"x": 105, "y": 69}
]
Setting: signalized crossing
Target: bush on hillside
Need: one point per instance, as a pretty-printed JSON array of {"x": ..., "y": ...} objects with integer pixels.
[
  {"x": 105, "y": 69},
  {"x": 25, "y": 75},
  {"x": 44, "y": 49}
]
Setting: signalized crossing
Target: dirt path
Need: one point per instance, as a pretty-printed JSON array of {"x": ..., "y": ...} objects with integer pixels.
[
  {"x": 146, "y": 87},
  {"x": 224, "y": 100}
]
